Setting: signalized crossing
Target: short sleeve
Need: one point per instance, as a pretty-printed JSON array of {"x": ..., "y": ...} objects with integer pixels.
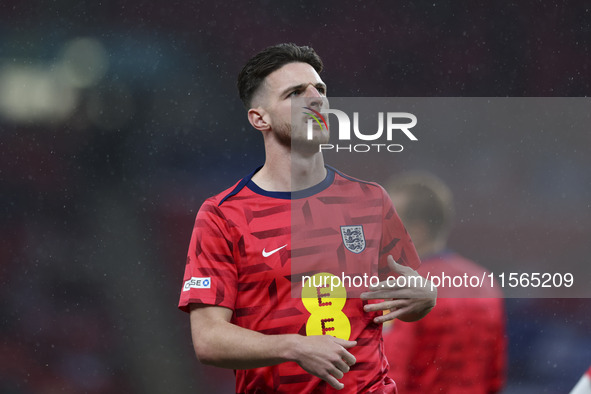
[
  {"x": 395, "y": 239},
  {"x": 210, "y": 273}
]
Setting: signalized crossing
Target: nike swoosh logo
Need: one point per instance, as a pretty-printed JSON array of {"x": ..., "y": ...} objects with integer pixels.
[{"x": 267, "y": 254}]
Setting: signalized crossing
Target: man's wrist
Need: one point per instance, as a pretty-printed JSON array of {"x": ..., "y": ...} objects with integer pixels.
[{"x": 290, "y": 346}]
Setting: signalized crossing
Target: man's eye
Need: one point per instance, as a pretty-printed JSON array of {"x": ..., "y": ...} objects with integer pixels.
[
  {"x": 321, "y": 90},
  {"x": 294, "y": 93}
]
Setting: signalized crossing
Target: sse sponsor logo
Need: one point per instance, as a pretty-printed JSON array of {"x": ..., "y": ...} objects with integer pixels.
[{"x": 197, "y": 283}]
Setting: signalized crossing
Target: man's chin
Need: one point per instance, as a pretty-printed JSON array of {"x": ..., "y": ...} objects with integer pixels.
[{"x": 307, "y": 146}]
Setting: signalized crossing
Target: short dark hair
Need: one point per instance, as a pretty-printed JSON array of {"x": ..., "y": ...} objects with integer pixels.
[
  {"x": 430, "y": 201},
  {"x": 270, "y": 59}
]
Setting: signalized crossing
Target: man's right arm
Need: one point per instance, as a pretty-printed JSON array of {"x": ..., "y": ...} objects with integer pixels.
[{"x": 220, "y": 343}]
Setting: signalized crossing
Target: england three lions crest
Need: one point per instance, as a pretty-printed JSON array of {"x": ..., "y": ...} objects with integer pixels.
[{"x": 353, "y": 238}]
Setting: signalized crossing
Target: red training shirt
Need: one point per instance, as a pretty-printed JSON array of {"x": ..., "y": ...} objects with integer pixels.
[
  {"x": 251, "y": 249},
  {"x": 460, "y": 346}
]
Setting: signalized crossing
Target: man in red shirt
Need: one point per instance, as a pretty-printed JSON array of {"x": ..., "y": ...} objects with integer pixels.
[
  {"x": 291, "y": 219},
  {"x": 460, "y": 347}
]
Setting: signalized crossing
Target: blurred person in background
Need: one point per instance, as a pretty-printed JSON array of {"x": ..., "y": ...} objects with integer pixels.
[
  {"x": 583, "y": 386},
  {"x": 460, "y": 347},
  {"x": 238, "y": 277}
]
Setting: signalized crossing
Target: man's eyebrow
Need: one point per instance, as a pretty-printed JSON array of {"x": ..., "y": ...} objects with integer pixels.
[
  {"x": 302, "y": 86},
  {"x": 292, "y": 88},
  {"x": 320, "y": 85}
]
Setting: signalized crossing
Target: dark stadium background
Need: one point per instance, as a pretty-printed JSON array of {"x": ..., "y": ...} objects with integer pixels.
[{"x": 117, "y": 118}]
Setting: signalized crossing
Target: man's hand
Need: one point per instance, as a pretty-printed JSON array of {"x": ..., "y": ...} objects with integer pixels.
[
  {"x": 325, "y": 356},
  {"x": 408, "y": 303}
]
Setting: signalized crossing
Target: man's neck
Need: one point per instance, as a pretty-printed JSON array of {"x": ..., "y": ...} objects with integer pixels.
[{"x": 290, "y": 171}]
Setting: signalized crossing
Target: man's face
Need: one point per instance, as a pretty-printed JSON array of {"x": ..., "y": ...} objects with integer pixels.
[
  {"x": 418, "y": 231},
  {"x": 294, "y": 84},
  {"x": 400, "y": 202}
]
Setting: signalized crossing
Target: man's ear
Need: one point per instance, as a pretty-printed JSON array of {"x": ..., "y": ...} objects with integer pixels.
[{"x": 256, "y": 117}]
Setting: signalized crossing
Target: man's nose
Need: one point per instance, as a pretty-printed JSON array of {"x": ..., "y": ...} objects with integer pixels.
[
  {"x": 311, "y": 91},
  {"x": 313, "y": 97}
]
